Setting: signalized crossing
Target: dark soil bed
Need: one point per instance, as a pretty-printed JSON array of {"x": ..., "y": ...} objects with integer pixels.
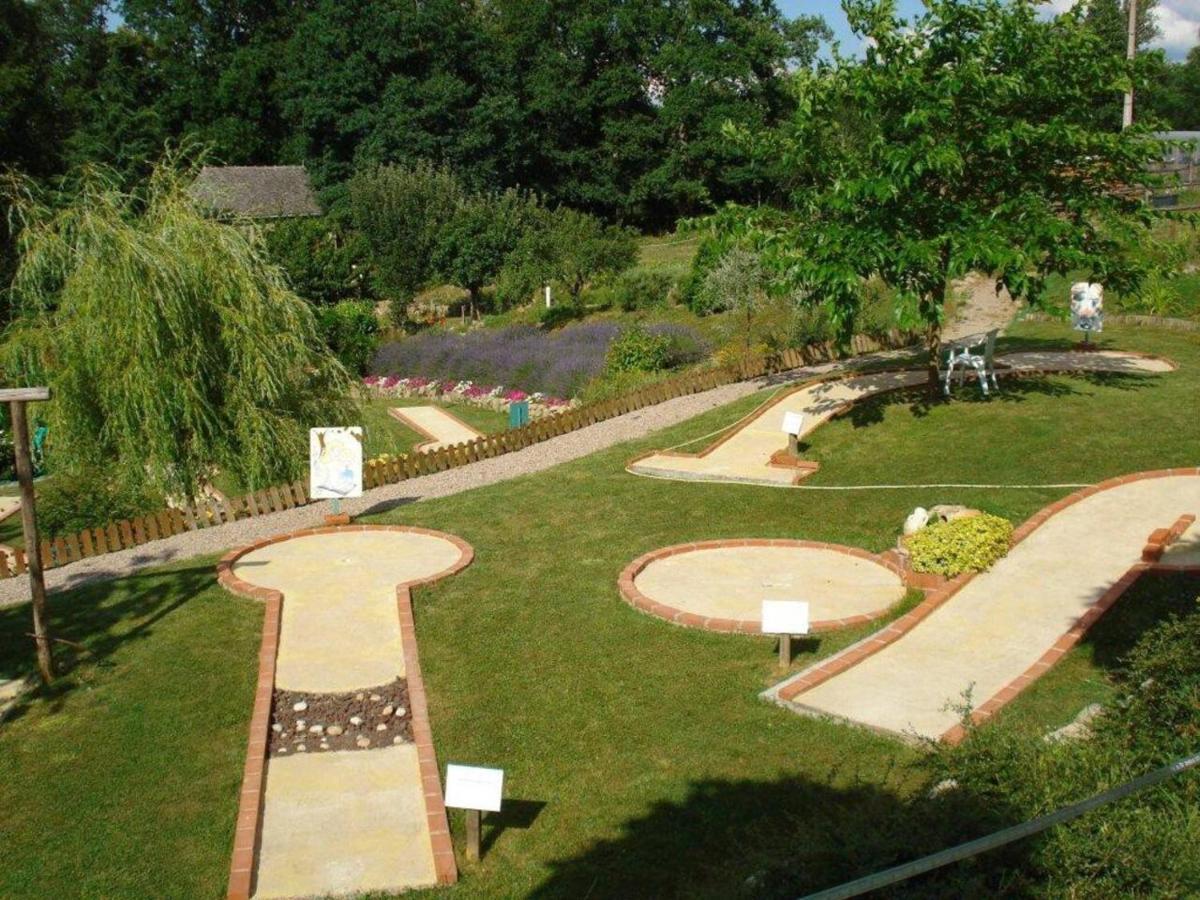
[{"x": 356, "y": 720}]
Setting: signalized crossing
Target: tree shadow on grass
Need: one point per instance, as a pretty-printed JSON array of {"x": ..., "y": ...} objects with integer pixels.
[
  {"x": 90, "y": 623},
  {"x": 919, "y": 402},
  {"x": 1152, "y": 600},
  {"x": 784, "y": 838}
]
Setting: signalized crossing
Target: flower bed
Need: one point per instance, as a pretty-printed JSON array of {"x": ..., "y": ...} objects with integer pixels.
[{"x": 495, "y": 397}]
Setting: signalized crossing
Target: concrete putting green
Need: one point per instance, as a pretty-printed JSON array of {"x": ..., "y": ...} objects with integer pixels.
[{"x": 720, "y": 585}]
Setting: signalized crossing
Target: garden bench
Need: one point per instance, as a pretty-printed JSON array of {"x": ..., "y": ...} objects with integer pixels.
[{"x": 964, "y": 352}]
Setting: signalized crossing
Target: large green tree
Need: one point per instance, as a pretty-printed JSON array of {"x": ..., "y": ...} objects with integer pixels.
[
  {"x": 172, "y": 346},
  {"x": 960, "y": 142}
]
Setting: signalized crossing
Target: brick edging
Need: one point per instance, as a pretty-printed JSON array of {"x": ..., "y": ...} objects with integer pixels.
[
  {"x": 851, "y": 656},
  {"x": 250, "y": 803},
  {"x": 630, "y": 593}
]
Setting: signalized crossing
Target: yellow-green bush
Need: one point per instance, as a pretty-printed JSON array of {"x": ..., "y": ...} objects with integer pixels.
[{"x": 963, "y": 545}]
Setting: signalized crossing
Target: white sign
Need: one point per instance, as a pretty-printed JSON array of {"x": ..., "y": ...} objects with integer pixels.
[
  {"x": 472, "y": 787},
  {"x": 793, "y": 423},
  {"x": 784, "y": 617},
  {"x": 335, "y": 462}
]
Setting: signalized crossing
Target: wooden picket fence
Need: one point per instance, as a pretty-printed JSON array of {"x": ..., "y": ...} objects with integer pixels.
[{"x": 376, "y": 473}]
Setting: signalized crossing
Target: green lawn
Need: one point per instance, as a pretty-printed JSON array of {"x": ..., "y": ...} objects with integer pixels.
[{"x": 639, "y": 760}]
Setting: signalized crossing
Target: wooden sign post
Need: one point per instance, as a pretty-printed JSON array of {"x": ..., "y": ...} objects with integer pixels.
[
  {"x": 476, "y": 790},
  {"x": 16, "y": 399}
]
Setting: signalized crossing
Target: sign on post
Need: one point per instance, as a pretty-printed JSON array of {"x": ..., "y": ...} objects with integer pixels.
[
  {"x": 793, "y": 424},
  {"x": 477, "y": 790},
  {"x": 335, "y": 463},
  {"x": 785, "y": 618},
  {"x": 518, "y": 413}
]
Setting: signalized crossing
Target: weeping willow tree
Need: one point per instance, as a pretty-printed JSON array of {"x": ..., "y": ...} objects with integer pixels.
[{"x": 172, "y": 346}]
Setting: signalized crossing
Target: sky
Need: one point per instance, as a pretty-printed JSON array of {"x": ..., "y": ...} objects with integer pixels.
[{"x": 1179, "y": 21}]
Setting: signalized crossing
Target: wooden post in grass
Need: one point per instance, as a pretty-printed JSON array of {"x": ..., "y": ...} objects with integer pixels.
[
  {"x": 785, "y": 650},
  {"x": 16, "y": 399},
  {"x": 474, "y": 827}
]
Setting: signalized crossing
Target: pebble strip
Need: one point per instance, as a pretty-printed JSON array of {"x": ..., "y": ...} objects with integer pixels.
[{"x": 304, "y": 722}]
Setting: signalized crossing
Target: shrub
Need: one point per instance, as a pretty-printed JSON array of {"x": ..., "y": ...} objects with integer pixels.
[
  {"x": 351, "y": 330},
  {"x": 638, "y": 350},
  {"x": 961, "y": 545},
  {"x": 72, "y": 501},
  {"x": 641, "y": 289},
  {"x": 324, "y": 263}
]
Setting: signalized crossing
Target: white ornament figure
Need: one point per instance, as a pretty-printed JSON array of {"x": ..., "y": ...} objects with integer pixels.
[
  {"x": 917, "y": 519},
  {"x": 1087, "y": 308}
]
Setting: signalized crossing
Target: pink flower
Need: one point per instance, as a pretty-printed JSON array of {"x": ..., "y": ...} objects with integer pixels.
[{"x": 515, "y": 396}]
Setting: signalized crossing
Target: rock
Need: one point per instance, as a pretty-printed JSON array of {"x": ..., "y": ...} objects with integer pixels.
[
  {"x": 317, "y": 729},
  {"x": 381, "y": 727},
  {"x": 943, "y": 786},
  {"x": 299, "y": 724},
  {"x": 300, "y": 748},
  {"x": 359, "y": 696},
  {"x": 324, "y": 746},
  {"x": 400, "y": 712},
  {"x": 276, "y": 727},
  {"x": 375, "y": 698},
  {"x": 356, "y": 720},
  {"x": 388, "y": 710},
  {"x": 362, "y": 742},
  {"x": 916, "y": 520},
  {"x": 397, "y": 740},
  {"x": 948, "y": 512},
  {"x": 334, "y": 730},
  {"x": 1080, "y": 729},
  {"x": 299, "y": 706}
]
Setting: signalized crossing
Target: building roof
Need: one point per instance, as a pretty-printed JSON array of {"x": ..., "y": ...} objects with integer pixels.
[{"x": 258, "y": 192}]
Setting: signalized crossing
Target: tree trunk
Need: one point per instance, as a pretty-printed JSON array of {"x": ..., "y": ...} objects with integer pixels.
[
  {"x": 933, "y": 344},
  {"x": 33, "y": 553}
]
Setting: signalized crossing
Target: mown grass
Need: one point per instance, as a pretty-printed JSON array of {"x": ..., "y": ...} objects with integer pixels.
[{"x": 639, "y": 760}]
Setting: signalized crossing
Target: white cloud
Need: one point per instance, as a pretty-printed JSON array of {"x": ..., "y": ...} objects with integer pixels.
[{"x": 1179, "y": 22}]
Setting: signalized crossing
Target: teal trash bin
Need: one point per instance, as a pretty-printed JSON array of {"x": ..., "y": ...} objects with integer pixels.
[{"x": 518, "y": 413}]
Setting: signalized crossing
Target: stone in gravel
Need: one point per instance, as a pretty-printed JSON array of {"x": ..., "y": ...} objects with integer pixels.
[
  {"x": 301, "y": 747},
  {"x": 324, "y": 746},
  {"x": 317, "y": 729},
  {"x": 355, "y": 720},
  {"x": 334, "y": 730},
  {"x": 362, "y": 742},
  {"x": 388, "y": 710},
  {"x": 300, "y": 706},
  {"x": 276, "y": 727},
  {"x": 382, "y": 726},
  {"x": 397, "y": 740},
  {"x": 400, "y": 711},
  {"x": 359, "y": 696},
  {"x": 299, "y": 724},
  {"x": 375, "y": 698}
]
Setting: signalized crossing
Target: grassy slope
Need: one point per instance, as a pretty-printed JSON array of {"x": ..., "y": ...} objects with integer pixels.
[{"x": 659, "y": 771}]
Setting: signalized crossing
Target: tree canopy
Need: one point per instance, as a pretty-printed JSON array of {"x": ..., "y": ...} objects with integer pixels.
[
  {"x": 959, "y": 143},
  {"x": 172, "y": 347}
]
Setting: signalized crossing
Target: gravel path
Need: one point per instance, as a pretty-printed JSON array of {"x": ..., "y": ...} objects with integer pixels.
[{"x": 561, "y": 449}]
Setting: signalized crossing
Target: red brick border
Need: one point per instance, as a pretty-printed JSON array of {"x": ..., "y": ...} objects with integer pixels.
[
  {"x": 638, "y": 600},
  {"x": 250, "y": 804},
  {"x": 840, "y": 662}
]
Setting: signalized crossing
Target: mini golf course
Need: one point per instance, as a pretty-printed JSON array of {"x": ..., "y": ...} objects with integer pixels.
[
  {"x": 439, "y": 427},
  {"x": 752, "y": 451},
  {"x": 321, "y": 815},
  {"x": 977, "y": 640}
]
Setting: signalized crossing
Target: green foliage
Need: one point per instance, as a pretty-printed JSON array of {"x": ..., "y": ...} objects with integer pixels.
[
  {"x": 941, "y": 152},
  {"x": 638, "y": 350},
  {"x": 73, "y": 500},
  {"x": 970, "y": 544},
  {"x": 708, "y": 254},
  {"x": 351, "y": 329},
  {"x": 170, "y": 343},
  {"x": 642, "y": 289},
  {"x": 1143, "y": 846},
  {"x": 1170, "y": 92},
  {"x": 324, "y": 262},
  {"x": 402, "y": 212},
  {"x": 580, "y": 248}
]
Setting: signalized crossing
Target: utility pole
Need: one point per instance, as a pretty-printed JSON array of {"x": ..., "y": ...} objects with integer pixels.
[
  {"x": 1130, "y": 52},
  {"x": 16, "y": 399}
]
